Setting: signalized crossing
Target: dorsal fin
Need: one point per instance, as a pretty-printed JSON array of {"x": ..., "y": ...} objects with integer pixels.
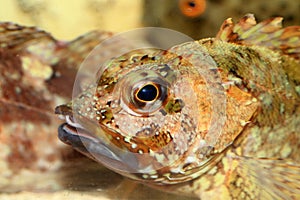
[
  {"x": 268, "y": 33},
  {"x": 41, "y": 44},
  {"x": 15, "y": 37}
]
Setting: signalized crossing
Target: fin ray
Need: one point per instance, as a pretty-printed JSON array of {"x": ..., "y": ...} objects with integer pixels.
[
  {"x": 274, "y": 178},
  {"x": 39, "y": 43},
  {"x": 268, "y": 33},
  {"x": 14, "y": 36}
]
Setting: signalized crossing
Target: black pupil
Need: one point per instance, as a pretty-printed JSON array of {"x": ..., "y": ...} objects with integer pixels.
[
  {"x": 147, "y": 93},
  {"x": 192, "y": 4}
]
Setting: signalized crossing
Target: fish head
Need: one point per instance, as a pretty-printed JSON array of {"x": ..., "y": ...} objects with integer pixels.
[{"x": 156, "y": 116}]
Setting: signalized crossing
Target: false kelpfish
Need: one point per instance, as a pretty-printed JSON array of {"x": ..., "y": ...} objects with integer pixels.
[{"x": 217, "y": 118}]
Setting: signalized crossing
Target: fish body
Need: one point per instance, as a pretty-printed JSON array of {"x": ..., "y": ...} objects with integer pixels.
[
  {"x": 37, "y": 72},
  {"x": 214, "y": 118}
]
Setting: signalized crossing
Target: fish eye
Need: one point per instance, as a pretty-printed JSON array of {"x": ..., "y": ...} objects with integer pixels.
[
  {"x": 192, "y": 8},
  {"x": 142, "y": 92},
  {"x": 147, "y": 93}
]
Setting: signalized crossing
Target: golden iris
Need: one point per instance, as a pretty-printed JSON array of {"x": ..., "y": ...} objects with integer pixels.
[{"x": 147, "y": 93}]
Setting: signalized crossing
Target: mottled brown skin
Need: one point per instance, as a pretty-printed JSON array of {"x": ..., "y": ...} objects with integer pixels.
[
  {"x": 36, "y": 73},
  {"x": 269, "y": 126},
  {"x": 257, "y": 154},
  {"x": 167, "y": 14},
  {"x": 28, "y": 92},
  {"x": 260, "y": 147}
]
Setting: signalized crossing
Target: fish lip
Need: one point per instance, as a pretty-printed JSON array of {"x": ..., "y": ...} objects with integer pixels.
[
  {"x": 93, "y": 148},
  {"x": 78, "y": 137},
  {"x": 71, "y": 122},
  {"x": 73, "y": 134},
  {"x": 70, "y": 135},
  {"x": 62, "y": 134}
]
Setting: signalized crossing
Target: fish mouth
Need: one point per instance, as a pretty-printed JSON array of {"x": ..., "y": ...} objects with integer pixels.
[
  {"x": 75, "y": 135},
  {"x": 71, "y": 132},
  {"x": 83, "y": 142}
]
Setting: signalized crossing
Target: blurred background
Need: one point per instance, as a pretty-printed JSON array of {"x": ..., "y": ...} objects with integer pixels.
[
  {"x": 69, "y": 19},
  {"x": 203, "y": 18},
  {"x": 197, "y": 18},
  {"x": 66, "y": 20}
]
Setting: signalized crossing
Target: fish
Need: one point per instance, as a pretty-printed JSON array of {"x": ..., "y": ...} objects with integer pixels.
[
  {"x": 37, "y": 73},
  {"x": 216, "y": 118},
  {"x": 201, "y": 18}
]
